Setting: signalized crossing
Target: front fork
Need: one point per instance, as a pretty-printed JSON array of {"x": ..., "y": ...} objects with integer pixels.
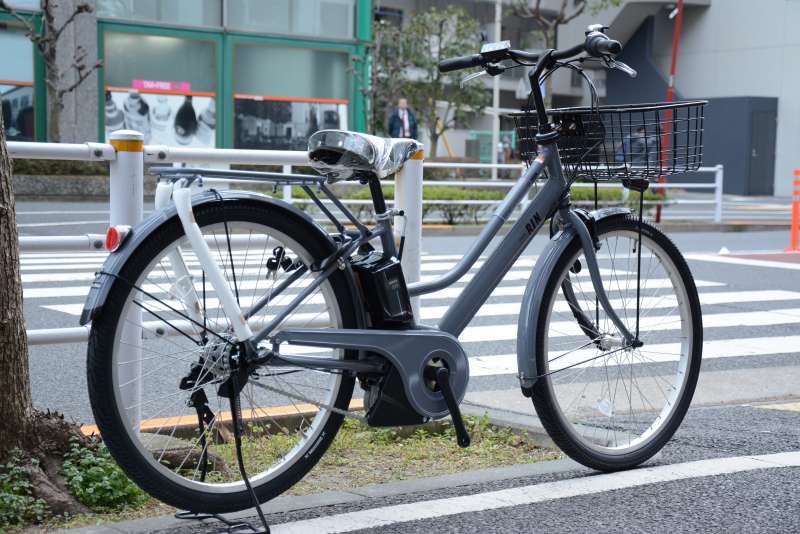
[{"x": 571, "y": 218}]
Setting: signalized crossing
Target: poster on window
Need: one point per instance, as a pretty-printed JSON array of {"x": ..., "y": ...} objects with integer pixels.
[
  {"x": 284, "y": 123},
  {"x": 18, "y": 111},
  {"x": 165, "y": 117}
]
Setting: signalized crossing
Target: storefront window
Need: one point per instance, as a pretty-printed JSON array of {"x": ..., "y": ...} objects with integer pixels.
[
  {"x": 181, "y": 12},
  {"x": 16, "y": 84},
  {"x": 318, "y": 18},
  {"x": 283, "y": 95},
  {"x": 27, "y": 5},
  {"x": 164, "y": 87}
]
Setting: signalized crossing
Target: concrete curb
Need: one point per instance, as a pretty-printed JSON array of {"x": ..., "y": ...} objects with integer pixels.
[
  {"x": 286, "y": 504},
  {"x": 517, "y": 422}
]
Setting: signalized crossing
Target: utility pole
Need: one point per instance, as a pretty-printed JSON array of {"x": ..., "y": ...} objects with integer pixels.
[
  {"x": 498, "y": 20},
  {"x": 676, "y": 36}
]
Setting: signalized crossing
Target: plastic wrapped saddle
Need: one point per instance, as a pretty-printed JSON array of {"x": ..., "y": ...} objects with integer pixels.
[{"x": 343, "y": 155}]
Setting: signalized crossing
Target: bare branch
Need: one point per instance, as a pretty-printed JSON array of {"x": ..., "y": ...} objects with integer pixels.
[
  {"x": 522, "y": 9},
  {"x": 575, "y": 13},
  {"x": 79, "y": 9},
  {"x": 558, "y": 19},
  {"x": 30, "y": 30},
  {"x": 83, "y": 73}
]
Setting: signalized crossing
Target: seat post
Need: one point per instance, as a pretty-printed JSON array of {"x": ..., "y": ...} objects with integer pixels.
[
  {"x": 378, "y": 200},
  {"x": 383, "y": 217}
]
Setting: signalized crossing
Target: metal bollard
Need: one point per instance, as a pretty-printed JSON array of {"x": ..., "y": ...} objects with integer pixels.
[
  {"x": 718, "y": 176},
  {"x": 127, "y": 208},
  {"x": 408, "y": 197}
]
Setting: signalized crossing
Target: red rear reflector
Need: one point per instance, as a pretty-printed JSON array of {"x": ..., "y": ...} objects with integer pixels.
[
  {"x": 115, "y": 236},
  {"x": 112, "y": 239}
]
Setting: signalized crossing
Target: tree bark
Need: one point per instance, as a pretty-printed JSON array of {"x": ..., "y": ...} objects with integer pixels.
[{"x": 15, "y": 391}]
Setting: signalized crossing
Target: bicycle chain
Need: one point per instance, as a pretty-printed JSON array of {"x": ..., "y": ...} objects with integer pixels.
[{"x": 297, "y": 396}]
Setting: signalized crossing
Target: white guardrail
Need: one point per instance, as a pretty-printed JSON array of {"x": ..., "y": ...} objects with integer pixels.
[{"x": 127, "y": 155}]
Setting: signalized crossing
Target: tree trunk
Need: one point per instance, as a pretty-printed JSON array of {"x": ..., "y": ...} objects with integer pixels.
[
  {"x": 54, "y": 107},
  {"x": 434, "y": 138},
  {"x": 15, "y": 392}
]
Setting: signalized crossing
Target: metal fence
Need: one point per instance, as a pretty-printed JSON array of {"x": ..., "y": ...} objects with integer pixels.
[{"x": 127, "y": 154}]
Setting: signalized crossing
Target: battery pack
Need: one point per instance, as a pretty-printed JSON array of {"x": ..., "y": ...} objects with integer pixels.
[{"x": 384, "y": 289}]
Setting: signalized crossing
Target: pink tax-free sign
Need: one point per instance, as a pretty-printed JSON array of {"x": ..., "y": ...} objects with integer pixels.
[{"x": 159, "y": 85}]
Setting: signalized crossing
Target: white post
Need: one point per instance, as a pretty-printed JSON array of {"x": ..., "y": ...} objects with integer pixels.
[
  {"x": 127, "y": 208},
  {"x": 408, "y": 197},
  {"x": 498, "y": 20},
  {"x": 287, "y": 189},
  {"x": 718, "y": 177}
]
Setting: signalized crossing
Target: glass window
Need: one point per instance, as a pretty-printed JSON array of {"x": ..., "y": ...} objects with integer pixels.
[
  {"x": 283, "y": 95},
  {"x": 16, "y": 84},
  {"x": 130, "y": 56},
  {"x": 164, "y": 87},
  {"x": 319, "y": 18},
  {"x": 183, "y": 12},
  {"x": 27, "y": 5},
  {"x": 292, "y": 72}
]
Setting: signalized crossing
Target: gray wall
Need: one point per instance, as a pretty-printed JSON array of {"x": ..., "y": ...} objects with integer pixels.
[{"x": 649, "y": 85}]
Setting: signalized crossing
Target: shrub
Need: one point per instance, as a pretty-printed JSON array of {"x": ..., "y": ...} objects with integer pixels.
[
  {"x": 94, "y": 478},
  {"x": 17, "y": 503}
]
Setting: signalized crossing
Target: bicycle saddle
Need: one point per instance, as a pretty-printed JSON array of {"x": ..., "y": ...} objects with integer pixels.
[{"x": 343, "y": 155}]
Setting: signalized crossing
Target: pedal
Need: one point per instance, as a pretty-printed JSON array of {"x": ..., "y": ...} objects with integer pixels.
[{"x": 443, "y": 381}]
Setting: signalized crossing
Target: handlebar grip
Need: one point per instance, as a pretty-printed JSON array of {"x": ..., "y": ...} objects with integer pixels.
[
  {"x": 598, "y": 44},
  {"x": 457, "y": 63}
]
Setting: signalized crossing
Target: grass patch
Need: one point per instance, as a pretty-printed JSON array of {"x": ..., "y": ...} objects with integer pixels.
[{"x": 361, "y": 455}]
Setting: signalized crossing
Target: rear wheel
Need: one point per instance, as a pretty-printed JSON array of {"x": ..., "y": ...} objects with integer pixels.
[
  {"x": 607, "y": 405},
  {"x": 149, "y": 366}
]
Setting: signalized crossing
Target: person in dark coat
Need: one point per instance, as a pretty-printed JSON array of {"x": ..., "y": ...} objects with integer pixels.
[{"x": 402, "y": 122}]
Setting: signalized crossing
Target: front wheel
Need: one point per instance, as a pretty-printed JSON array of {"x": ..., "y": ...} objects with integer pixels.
[{"x": 607, "y": 405}]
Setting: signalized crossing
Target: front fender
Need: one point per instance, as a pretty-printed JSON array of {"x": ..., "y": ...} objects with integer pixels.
[
  {"x": 533, "y": 298},
  {"x": 98, "y": 291}
]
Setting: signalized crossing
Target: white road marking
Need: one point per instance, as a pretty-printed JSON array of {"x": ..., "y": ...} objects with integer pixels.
[
  {"x": 743, "y": 261},
  {"x": 526, "y": 495},
  {"x": 503, "y": 364},
  {"x": 428, "y": 313}
]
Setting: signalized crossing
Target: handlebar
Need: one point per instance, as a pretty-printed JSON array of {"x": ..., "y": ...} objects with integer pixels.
[
  {"x": 597, "y": 44},
  {"x": 462, "y": 62}
]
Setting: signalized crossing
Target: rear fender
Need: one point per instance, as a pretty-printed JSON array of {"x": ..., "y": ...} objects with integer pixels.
[{"x": 115, "y": 262}]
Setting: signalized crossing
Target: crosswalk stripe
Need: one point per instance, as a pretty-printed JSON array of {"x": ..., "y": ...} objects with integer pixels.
[
  {"x": 503, "y": 364},
  {"x": 428, "y": 313},
  {"x": 743, "y": 261}
]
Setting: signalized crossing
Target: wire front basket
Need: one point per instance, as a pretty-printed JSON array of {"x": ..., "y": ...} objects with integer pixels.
[{"x": 608, "y": 143}]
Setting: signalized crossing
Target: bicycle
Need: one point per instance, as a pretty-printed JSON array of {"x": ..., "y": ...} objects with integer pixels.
[{"x": 229, "y": 296}]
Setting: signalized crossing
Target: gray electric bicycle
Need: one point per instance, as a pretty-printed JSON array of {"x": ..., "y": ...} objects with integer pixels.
[{"x": 231, "y": 329}]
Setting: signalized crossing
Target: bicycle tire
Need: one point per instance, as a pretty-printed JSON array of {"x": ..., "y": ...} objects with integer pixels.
[
  {"x": 571, "y": 436},
  {"x": 108, "y": 416}
]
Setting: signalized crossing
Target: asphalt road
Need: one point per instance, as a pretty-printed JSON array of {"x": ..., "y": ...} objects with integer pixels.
[{"x": 752, "y": 351}]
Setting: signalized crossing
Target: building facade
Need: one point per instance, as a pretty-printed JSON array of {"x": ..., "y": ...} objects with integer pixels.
[
  {"x": 743, "y": 57},
  {"x": 219, "y": 73}
]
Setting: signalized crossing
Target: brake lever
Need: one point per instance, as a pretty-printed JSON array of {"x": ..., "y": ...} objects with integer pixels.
[
  {"x": 469, "y": 77},
  {"x": 492, "y": 69},
  {"x": 619, "y": 65}
]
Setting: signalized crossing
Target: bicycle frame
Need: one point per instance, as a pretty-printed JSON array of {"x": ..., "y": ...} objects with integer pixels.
[{"x": 552, "y": 197}]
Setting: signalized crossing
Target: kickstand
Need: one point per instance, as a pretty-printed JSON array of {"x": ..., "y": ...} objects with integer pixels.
[{"x": 235, "y": 527}]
